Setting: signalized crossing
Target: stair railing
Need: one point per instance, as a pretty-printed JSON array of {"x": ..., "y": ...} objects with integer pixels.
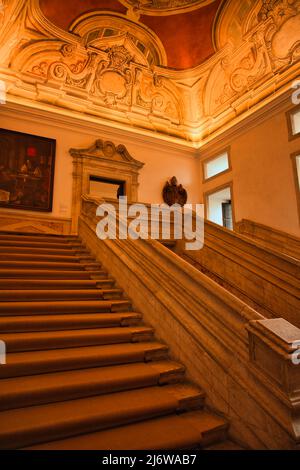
[{"x": 247, "y": 364}]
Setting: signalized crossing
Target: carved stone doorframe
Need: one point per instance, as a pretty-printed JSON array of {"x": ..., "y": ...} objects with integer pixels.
[{"x": 103, "y": 159}]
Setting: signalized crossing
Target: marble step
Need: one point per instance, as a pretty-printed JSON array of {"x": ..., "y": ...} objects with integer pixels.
[
  {"x": 41, "y": 341},
  {"x": 41, "y": 362},
  {"x": 68, "y": 385},
  {"x": 33, "y": 425},
  {"x": 191, "y": 430}
]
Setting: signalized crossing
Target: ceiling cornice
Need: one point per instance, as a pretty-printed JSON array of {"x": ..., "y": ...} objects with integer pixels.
[
  {"x": 87, "y": 124},
  {"x": 269, "y": 110}
]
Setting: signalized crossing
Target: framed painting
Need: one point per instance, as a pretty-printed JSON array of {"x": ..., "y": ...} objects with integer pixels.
[{"x": 26, "y": 171}]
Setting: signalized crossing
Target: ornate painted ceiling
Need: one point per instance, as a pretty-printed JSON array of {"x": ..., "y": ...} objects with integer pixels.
[
  {"x": 167, "y": 7},
  {"x": 83, "y": 58},
  {"x": 186, "y": 37}
]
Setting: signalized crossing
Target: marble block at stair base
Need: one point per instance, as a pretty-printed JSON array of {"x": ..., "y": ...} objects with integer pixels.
[
  {"x": 274, "y": 348},
  {"x": 273, "y": 344}
]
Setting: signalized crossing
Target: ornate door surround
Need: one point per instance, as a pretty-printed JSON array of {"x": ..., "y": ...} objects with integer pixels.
[{"x": 105, "y": 160}]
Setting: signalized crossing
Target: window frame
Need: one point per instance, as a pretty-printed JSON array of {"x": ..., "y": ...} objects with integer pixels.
[
  {"x": 214, "y": 157},
  {"x": 289, "y": 115},
  {"x": 216, "y": 189},
  {"x": 294, "y": 155}
]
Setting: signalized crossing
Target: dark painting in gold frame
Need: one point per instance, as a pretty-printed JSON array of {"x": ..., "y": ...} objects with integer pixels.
[{"x": 27, "y": 164}]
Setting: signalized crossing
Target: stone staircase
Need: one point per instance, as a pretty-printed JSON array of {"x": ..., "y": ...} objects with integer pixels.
[
  {"x": 264, "y": 278},
  {"x": 83, "y": 371}
]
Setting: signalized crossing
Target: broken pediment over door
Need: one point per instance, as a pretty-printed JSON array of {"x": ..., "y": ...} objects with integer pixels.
[{"x": 103, "y": 161}]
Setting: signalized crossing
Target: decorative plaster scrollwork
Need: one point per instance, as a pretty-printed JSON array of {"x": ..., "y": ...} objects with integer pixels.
[
  {"x": 157, "y": 7},
  {"x": 235, "y": 77},
  {"x": 68, "y": 50},
  {"x": 113, "y": 78},
  {"x": 124, "y": 77},
  {"x": 278, "y": 10},
  {"x": 109, "y": 76},
  {"x": 251, "y": 68},
  {"x": 2, "y": 11},
  {"x": 270, "y": 42},
  {"x": 282, "y": 30},
  {"x": 41, "y": 69},
  {"x": 156, "y": 94}
]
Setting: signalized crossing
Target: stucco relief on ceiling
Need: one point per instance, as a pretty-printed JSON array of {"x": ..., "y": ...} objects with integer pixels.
[
  {"x": 164, "y": 7},
  {"x": 111, "y": 67}
]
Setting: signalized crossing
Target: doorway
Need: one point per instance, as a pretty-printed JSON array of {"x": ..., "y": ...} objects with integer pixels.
[
  {"x": 219, "y": 207},
  {"x": 106, "y": 188}
]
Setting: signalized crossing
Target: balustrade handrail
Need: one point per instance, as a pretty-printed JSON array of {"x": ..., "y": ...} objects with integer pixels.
[{"x": 234, "y": 335}]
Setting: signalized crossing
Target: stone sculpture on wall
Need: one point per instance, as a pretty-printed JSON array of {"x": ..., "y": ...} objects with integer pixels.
[{"x": 174, "y": 193}]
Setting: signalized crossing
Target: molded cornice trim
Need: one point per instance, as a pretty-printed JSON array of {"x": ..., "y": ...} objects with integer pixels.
[{"x": 88, "y": 124}]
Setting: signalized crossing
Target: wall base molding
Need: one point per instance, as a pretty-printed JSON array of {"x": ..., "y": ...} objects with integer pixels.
[{"x": 18, "y": 221}]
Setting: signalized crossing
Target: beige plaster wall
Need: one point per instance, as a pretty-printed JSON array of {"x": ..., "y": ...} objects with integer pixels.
[
  {"x": 162, "y": 161},
  {"x": 264, "y": 188}
]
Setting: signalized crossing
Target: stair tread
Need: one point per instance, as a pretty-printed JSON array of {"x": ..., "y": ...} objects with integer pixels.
[
  {"x": 35, "y": 362},
  {"x": 62, "y": 419},
  {"x": 41, "y": 244},
  {"x": 36, "y": 389},
  {"x": 5, "y": 234},
  {"x": 226, "y": 445},
  {"x": 49, "y": 273},
  {"x": 83, "y": 371},
  {"x": 59, "y": 339},
  {"x": 42, "y": 264},
  {"x": 59, "y": 302},
  {"x": 44, "y": 238},
  {"x": 61, "y": 306},
  {"x": 68, "y": 251},
  {"x": 49, "y": 284},
  {"x": 49, "y": 258},
  {"x": 59, "y": 294},
  {"x": 168, "y": 432},
  {"x": 40, "y": 356},
  {"x": 46, "y": 291},
  {"x": 79, "y": 320}
]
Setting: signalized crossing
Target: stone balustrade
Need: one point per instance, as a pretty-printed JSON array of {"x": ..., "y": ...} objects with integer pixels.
[
  {"x": 270, "y": 237},
  {"x": 242, "y": 360},
  {"x": 266, "y": 279}
]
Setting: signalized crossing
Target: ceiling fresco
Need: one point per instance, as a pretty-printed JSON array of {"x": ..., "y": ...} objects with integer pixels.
[
  {"x": 158, "y": 7},
  {"x": 89, "y": 57},
  {"x": 186, "y": 37}
]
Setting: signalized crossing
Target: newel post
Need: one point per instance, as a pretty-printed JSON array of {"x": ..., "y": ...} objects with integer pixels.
[{"x": 274, "y": 348}]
